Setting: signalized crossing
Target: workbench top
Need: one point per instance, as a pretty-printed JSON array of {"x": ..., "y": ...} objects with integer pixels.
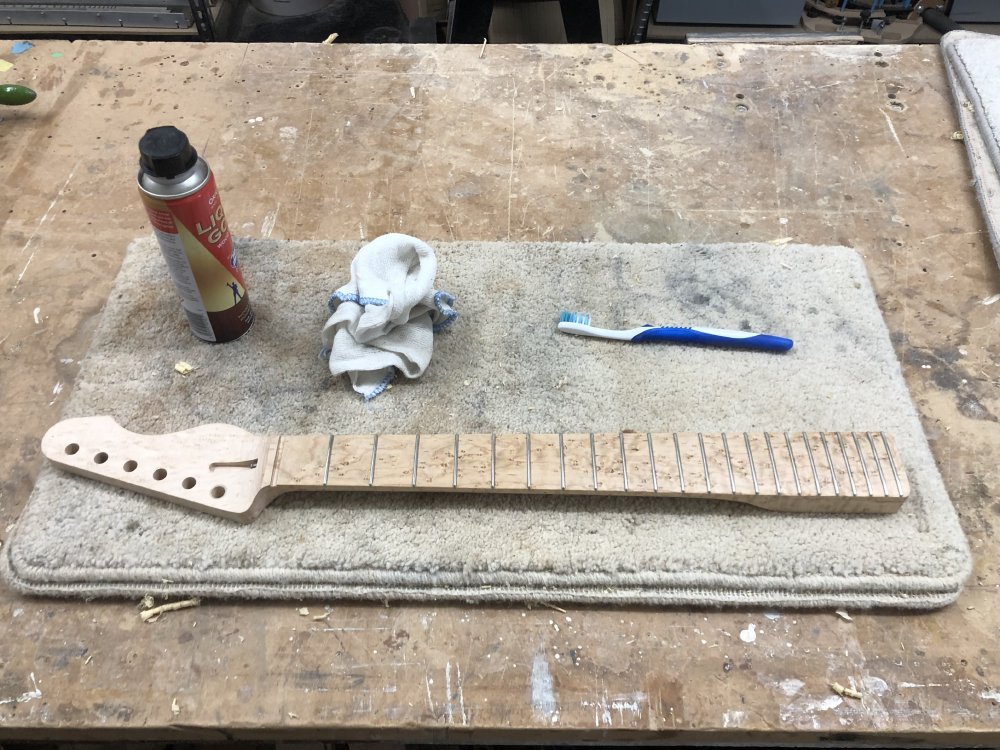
[{"x": 662, "y": 143}]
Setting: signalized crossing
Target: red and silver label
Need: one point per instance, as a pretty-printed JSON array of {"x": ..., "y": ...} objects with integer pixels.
[{"x": 196, "y": 243}]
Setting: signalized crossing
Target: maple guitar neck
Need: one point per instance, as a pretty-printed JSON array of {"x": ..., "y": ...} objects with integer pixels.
[{"x": 228, "y": 472}]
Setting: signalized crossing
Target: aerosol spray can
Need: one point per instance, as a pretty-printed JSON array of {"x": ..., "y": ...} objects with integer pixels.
[{"x": 178, "y": 189}]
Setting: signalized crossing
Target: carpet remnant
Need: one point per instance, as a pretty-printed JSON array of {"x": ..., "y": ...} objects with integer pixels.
[
  {"x": 505, "y": 368},
  {"x": 973, "y": 63}
]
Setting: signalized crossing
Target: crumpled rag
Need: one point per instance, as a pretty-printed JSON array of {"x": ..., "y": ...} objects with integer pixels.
[{"x": 384, "y": 319}]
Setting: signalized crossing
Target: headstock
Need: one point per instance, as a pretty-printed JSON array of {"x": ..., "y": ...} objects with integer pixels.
[{"x": 216, "y": 468}]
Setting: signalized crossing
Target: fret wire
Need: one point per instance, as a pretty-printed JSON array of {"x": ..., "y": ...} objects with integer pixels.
[
  {"x": 753, "y": 467},
  {"x": 527, "y": 451},
  {"x": 326, "y": 469},
  {"x": 812, "y": 462},
  {"x": 562, "y": 464},
  {"x": 795, "y": 468},
  {"x": 621, "y": 442},
  {"x": 847, "y": 463},
  {"x": 416, "y": 453},
  {"x": 729, "y": 462},
  {"x": 593, "y": 460},
  {"x": 731, "y": 468},
  {"x": 892, "y": 465},
  {"x": 829, "y": 460},
  {"x": 774, "y": 463},
  {"x": 680, "y": 462},
  {"x": 652, "y": 459},
  {"x": 864, "y": 464},
  {"x": 371, "y": 470},
  {"x": 493, "y": 460},
  {"x": 704, "y": 462},
  {"x": 878, "y": 464}
]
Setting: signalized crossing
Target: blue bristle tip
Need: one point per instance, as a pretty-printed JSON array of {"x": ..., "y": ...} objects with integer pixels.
[{"x": 574, "y": 317}]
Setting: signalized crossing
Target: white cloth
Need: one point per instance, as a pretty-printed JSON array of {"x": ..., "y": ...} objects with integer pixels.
[
  {"x": 383, "y": 321},
  {"x": 973, "y": 63}
]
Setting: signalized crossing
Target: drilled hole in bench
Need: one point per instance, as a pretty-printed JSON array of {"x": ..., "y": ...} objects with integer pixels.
[
  {"x": 130, "y": 466},
  {"x": 218, "y": 491},
  {"x": 160, "y": 474},
  {"x": 72, "y": 448},
  {"x": 100, "y": 458},
  {"x": 189, "y": 482}
]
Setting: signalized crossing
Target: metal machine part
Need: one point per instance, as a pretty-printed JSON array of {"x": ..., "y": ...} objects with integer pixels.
[
  {"x": 143, "y": 13},
  {"x": 167, "y": 17},
  {"x": 975, "y": 11},
  {"x": 730, "y": 12},
  {"x": 892, "y": 21}
]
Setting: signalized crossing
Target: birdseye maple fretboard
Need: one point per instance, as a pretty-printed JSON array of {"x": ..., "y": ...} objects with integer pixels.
[{"x": 853, "y": 472}]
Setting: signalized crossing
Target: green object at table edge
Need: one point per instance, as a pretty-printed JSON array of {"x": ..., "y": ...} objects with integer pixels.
[{"x": 14, "y": 94}]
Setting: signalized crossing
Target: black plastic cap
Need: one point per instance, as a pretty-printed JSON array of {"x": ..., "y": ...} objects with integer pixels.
[{"x": 166, "y": 152}]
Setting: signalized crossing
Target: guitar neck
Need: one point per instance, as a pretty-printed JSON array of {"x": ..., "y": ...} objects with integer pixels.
[
  {"x": 226, "y": 471},
  {"x": 823, "y": 472}
]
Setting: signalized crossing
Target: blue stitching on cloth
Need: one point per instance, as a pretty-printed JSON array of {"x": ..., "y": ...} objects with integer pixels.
[
  {"x": 382, "y": 386},
  {"x": 338, "y": 297},
  {"x": 444, "y": 301}
]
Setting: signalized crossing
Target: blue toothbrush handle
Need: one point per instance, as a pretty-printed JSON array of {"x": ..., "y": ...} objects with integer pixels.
[{"x": 716, "y": 337}]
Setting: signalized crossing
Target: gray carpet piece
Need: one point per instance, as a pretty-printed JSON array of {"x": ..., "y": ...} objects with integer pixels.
[
  {"x": 503, "y": 367},
  {"x": 973, "y": 63}
]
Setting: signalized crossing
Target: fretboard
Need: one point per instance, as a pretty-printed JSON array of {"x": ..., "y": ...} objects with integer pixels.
[{"x": 848, "y": 472}]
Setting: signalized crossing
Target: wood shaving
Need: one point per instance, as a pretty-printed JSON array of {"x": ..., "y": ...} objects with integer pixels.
[
  {"x": 292, "y": 716},
  {"x": 174, "y": 708},
  {"x": 304, "y": 611},
  {"x": 958, "y": 135},
  {"x": 147, "y": 602},
  {"x": 152, "y": 615},
  {"x": 845, "y": 692},
  {"x": 782, "y": 241},
  {"x": 89, "y": 659},
  {"x": 844, "y": 616},
  {"x": 317, "y": 618},
  {"x": 331, "y": 39},
  {"x": 184, "y": 368}
]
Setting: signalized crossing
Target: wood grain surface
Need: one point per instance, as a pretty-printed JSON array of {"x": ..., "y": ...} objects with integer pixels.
[
  {"x": 196, "y": 467},
  {"x": 831, "y": 145}
]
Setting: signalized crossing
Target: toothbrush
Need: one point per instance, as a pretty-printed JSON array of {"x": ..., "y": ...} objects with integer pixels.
[{"x": 578, "y": 324}]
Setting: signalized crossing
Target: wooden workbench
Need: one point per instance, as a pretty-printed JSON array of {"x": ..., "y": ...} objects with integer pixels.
[{"x": 826, "y": 145}]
